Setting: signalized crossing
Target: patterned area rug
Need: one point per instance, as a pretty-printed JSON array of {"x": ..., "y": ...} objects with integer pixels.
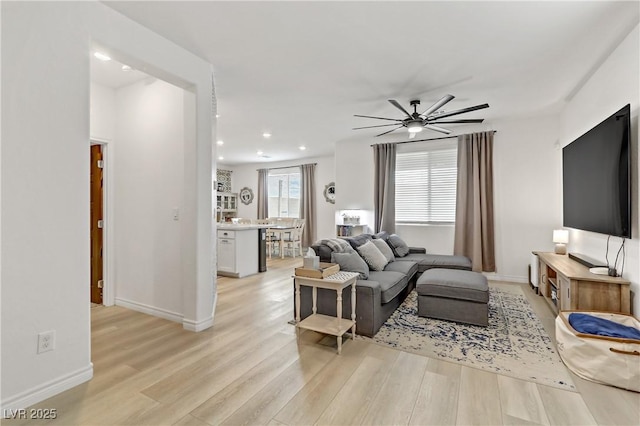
[{"x": 514, "y": 344}]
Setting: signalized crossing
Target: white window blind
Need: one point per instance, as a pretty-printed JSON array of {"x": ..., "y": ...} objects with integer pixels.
[
  {"x": 284, "y": 192},
  {"x": 426, "y": 186}
]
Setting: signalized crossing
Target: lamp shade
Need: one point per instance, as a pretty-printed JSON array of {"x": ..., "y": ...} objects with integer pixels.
[{"x": 560, "y": 236}]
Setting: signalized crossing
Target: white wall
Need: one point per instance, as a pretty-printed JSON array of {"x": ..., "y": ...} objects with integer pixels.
[
  {"x": 45, "y": 185},
  {"x": 354, "y": 179},
  {"x": 148, "y": 169},
  {"x": 613, "y": 85},
  {"x": 247, "y": 175},
  {"x": 526, "y": 181},
  {"x": 102, "y": 112},
  {"x": 45, "y": 199}
]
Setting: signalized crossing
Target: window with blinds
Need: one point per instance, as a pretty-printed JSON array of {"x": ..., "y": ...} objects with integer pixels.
[
  {"x": 284, "y": 192},
  {"x": 426, "y": 185}
]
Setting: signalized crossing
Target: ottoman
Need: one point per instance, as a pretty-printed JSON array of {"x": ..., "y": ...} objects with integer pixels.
[{"x": 454, "y": 295}]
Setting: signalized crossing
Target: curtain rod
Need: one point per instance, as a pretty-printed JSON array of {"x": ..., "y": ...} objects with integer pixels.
[
  {"x": 286, "y": 167},
  {"x": 431, "y": 139}
]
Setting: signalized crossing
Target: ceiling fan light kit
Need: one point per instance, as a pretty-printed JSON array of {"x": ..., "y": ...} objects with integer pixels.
[
  {"x": 415, "y": 122},
  {"x": 415, "y": 126}
]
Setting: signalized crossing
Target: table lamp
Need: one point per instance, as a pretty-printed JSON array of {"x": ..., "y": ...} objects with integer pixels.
[{"x": 561, "y": 238}]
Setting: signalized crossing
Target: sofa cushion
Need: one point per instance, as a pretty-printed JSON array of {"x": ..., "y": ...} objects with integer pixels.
[
  {"x": 407, "y": 268},
  {"x": 454, "y": 284},
  {"x": 338, "y": 245},
  {"x": 391, "y": 283},
  {"x": 384, "y": 249},
  {"x": 324, "y": 248},
  {"x": 374, "y": 257},
  {"x": 397, "y": 244},
  {"x": 382, "y": 235},
  {"x": 359, "y": 240},
  {"x": 324, "y": 252},
  {"x": 430, "y": 261},
  {"x": 351, "y": 262}
]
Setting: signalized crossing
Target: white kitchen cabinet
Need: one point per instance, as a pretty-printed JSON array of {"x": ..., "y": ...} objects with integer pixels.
[
  {"x": 226, "y": 254},
  {"x": 237, "y": 251}
]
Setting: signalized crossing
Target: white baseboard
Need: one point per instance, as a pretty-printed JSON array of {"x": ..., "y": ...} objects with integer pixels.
[
  {"x": 197, "y": 325},
  {"x": 47, "y": 390},
  {"x": 508, "y": 278},
  {"x": 168, "y": 315},
  {"x": 202, "y": 324},
  {"x": 150, "y": 310}
]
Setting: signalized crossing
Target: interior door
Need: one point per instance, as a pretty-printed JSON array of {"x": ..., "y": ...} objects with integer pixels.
[{"x": 96, "y": 224}]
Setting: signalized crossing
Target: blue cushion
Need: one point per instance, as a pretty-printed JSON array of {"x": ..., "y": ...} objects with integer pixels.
[{"x": 590, "y": 324}]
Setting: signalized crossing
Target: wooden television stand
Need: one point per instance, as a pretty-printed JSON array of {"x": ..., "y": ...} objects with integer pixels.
[{"x": 568, "y": 285}]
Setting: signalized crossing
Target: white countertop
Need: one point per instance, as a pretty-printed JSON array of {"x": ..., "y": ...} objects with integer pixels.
[{"x": 240, "y": 227}]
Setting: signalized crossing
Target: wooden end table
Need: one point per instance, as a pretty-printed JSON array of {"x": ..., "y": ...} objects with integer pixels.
[{"x": 335, "y": 326}]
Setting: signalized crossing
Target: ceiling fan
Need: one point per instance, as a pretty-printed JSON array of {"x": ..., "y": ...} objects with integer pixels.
[{"x": 415, "y": 122}]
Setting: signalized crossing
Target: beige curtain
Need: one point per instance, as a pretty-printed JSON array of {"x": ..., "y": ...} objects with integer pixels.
[
  {"x": 384, "y": 195},
  {"x": 474, "y": 230},
  {"x": 308, "y": 203},
  {"x": 263, "y": 193}
]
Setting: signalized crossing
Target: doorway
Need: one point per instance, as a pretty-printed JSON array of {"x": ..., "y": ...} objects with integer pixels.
[{"x": 97, "y": 224}]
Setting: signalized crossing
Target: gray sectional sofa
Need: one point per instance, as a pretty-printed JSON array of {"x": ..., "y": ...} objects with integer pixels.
[{"x": 382, "y": 292}]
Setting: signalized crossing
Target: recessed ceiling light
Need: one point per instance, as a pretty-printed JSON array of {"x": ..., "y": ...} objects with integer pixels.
[
  {"x": 221, "y": 158},
  {"x": 220, "y": 142},
  {"x": 126, "y": 68},
  {"x": 102, "y": 56},
  {"x": 260, "y": 153},
  {"x": 302, "y": 147},
  {"x": 217, "y": 115},
  {"x": 266, "y": 135}
]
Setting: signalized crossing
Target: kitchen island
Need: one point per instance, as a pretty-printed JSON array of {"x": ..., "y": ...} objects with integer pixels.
[{"x": 240, "y": 249}]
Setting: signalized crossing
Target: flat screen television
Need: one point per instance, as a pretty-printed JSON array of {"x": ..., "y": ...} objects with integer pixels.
[{"x": 596, "y": 179}]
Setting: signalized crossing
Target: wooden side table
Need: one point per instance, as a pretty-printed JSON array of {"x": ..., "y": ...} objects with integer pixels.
[{"x": 335, "y": 326}]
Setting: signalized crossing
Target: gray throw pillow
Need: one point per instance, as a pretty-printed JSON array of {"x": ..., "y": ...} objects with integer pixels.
[
  {"x": 374, "y": 258},
  {"x": 382, "y": 235},
  {"x": 399, "y": 247},
  {"x": 359, "y": 240},
  {"x": 384, "y": 249},
  {"x": 351, "y": 262}
]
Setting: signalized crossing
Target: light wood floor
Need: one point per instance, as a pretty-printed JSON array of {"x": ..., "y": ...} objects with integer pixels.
[{"x": 250, "y": 369}]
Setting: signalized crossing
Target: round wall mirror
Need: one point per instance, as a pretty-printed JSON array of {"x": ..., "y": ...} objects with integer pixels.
[
  {"x": 246, "y": 195},
  {"x": 330, "y": 192}
]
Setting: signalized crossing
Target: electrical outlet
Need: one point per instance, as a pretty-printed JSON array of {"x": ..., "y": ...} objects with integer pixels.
[{"x": 46, "y": 341}]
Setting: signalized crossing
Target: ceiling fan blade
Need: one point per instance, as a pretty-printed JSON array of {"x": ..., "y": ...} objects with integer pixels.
[
  {"x": 392, "y": 130},
  {"x": 378, "y": 118},
  {"x": 471, "y": 120},
  {"x": 456, "y": 112},
  {"x": 437, "y": 105},
  {"x": 370, "y": 127},
  {"x": 397, "y": 105},
  {"x": 437, "y": 129}
]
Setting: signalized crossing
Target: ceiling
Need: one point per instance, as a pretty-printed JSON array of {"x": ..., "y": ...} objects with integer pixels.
[
  {"x": 301, "y": 70},
  {"x": 110, "y": 73}
]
